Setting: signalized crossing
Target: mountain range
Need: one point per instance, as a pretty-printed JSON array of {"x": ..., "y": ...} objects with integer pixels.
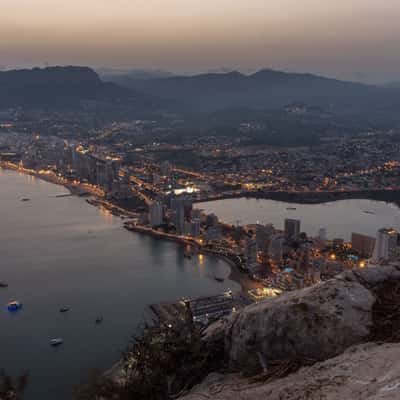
[
  {"x": 68, "y": 87},
  {"x": 266, "y": 89}
]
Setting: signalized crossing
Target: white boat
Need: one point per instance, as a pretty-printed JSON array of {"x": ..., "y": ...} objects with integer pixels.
[
  {"x": 14, "y": 306},
  {"x": 56, "y": 341}
]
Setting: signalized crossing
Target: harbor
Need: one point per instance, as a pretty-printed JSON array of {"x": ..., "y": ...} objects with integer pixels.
[{"x": 201, "y": 310}]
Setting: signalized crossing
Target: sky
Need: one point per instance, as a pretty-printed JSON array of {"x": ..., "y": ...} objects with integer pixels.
[{"x": 349, "y": 39}]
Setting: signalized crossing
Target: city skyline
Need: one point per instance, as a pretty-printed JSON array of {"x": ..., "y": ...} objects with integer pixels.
[{"x": 356, "y": 41}]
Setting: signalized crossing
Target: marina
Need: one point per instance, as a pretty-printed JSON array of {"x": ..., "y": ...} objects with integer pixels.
[{"x": 202, "y": 310}]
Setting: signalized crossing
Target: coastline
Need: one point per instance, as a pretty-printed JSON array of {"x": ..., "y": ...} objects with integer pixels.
[
  {"x": 235, "y": 274},
  {"x": 238, "y": 276},
  {"x": 50, "y": 178}
]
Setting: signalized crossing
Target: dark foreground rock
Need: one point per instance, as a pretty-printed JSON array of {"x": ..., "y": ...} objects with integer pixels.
[
  {"x": 334, "y": 341},
  {"x": 364, "y": 372}
]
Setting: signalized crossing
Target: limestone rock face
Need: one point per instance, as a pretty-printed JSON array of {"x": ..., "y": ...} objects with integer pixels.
[
  {"x": 364, "y": 372},
  {"x": 317, "y": 322},
  {"x": 314, "y": 323}
]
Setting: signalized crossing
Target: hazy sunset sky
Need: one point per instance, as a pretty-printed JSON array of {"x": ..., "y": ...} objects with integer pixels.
[{"x": 355, "y": 39}]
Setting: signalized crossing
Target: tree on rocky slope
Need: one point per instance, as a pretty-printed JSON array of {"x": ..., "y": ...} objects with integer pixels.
[{"x": 161, "y": 363}]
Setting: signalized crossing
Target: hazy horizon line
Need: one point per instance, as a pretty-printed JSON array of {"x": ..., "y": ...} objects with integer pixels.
[{"x": 359, "y": 77}]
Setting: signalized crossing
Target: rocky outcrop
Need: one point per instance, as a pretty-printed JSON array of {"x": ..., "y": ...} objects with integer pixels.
[
  {"x": 364, "y": 372},
  {"x": 326, "y": 327},
  {"x": 314, "y": 323}
]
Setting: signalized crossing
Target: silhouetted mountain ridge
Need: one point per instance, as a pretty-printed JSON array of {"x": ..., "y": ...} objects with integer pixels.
[
  {"x": 57, "y": 87},
  {"x": 268, "y": 89}
]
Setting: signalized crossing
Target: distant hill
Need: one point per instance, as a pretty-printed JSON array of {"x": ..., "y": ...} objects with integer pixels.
[
  {"x": 58, "y": 88},
  {"x": 268, "y": 89},
  {"x": 394, "y": 85},
  {"x": 127, "y": 78}
]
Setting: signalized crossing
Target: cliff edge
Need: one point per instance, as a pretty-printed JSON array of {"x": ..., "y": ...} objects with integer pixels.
[{"x": 335, "y": 340}]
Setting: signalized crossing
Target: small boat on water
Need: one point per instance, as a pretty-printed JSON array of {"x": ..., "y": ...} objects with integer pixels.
[
  {"x": 291, "y": 208},
  {"x": 3, "y": 285},
  {"x": 25, "y": 199},
  {"x": 56, "y": 342},
  {"x": 99, "y": 319},
  {"x": 63, "y": 195},
  {"x": 369, "y": 212},
  {"x": 219, "y": 279},
  {"x": 14, "y": 306},
  {"x": 64, "y": 309}
]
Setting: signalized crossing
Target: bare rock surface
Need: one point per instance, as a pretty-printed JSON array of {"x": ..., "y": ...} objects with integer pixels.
[
  {"x": 313, "y": 323},
  {"x": 364, "y": 372}
]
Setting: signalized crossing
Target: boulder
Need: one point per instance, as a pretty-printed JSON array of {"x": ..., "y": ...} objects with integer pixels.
[{"x": 313, "y": 323}]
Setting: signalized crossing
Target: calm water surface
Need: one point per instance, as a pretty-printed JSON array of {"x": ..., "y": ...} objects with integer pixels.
[
  {"x": 58, "y": 252},
  {"x": 340, "y": 218}
]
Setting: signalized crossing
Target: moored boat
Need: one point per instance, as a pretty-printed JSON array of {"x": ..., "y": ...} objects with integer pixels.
[
  {"x": 14, "y": 306},
  {"x": 56, "y": 342}
]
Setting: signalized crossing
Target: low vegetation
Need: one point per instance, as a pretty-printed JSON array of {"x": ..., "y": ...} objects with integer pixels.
[{"x": 162, "y": 362}]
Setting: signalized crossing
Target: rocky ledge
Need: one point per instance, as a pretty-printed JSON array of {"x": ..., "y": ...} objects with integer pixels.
[
  {"x": 323, "y": 330},
  {"x": 364, "y": 372}
]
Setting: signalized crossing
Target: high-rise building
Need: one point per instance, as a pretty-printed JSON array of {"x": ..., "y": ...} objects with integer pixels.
[
  {"x": 250, "y": 250},
  {"x": 385, "y": 245},
  {"x": 263, "y": 237},
  {"x": 195, "y": 227},
  {"x": 322, "y": 235},
  {"x": 196, "y": 213},
  {"x": 276, "y": 248},
  {"x": 363, "y": 244},
  {"x": 178, "y": 207},
  {"x": 155, "y": 213},
  {"x": 165, "y": 168},
  {"x": 292, "y": 229},
  {"x": 213, "y": 233}
]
